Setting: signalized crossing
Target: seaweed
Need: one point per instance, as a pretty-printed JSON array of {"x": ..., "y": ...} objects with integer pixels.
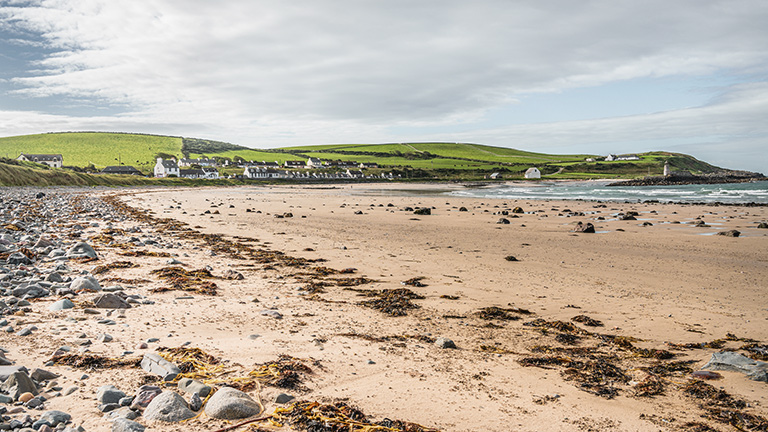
[
  {"x": 337, "y": 417},
  {"x": 652, "y": 385},
  {"x": 494, "y": 312},
  {"x": 115, "y": 265},
  {"x": 587, "y": 321},
  {"x": 186, "y": 280},
  {"x": 286, "y": 372},
  {"x": 393, "y": 302},
  {"x": 756, "y": 351},
  {"x": 670, "y": 368},
  {"x": 94, "y": 361},
  {"x": 415, "y": 282},
  {"x": 561, "y": 326},
  {"x": 144, "y": 253}
]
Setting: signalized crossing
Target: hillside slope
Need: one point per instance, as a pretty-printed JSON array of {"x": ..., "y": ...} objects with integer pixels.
[{"x": 419, "y": 160}]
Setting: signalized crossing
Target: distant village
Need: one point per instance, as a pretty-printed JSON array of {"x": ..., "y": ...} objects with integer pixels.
[{"x": 312, "y": 168}]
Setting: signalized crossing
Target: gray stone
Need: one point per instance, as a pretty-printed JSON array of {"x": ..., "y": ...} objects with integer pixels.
[
  {"x": 144, "y": 396},
  {"x": 81, "y": 250},
  {"x": 730, "y": 361},
  {"x": 188, "y": 385},
  {"x": 18, "y": 258},
  {"x": 195, "y": 403},
  {"x": 124, "y": 425},
  {"x": 70, "y": 390},
  {"x": 30, "y": 291},
  {"x": 271, "y": 313},
  {"x": 26, "y": 331},
  {"x": 54, "y": 417},
  {"x": 105, "y": 338},
  {"x": 108, "y": 407},
  {"x": 85, "y": 283},
  {"x": 283, "y": 398},
  {"x": 124, "y": 412},
  {"x": 445, "y": 343},
  {"x": 40, "y": 375},
  {"x": 17, "y": 384},
  {"x": 109, "y": 394},
  {"x": 54, "y": 277},
  {"x": 231, "y": 404},
  {"x": 168, "y": 406},
  {"x": 110, "y": 301},
  {"x": 157, "y": 365},
  {"x": 61, "y": 305}
]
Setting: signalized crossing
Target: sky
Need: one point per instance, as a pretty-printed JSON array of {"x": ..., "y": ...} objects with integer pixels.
[{"x": 554, "y": 76}]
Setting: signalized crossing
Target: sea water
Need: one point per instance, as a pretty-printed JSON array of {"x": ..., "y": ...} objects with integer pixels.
[{"x": 730, "y": 193}]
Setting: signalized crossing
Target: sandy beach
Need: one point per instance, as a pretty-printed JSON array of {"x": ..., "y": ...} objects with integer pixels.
[{"x": 506, "y": 294}]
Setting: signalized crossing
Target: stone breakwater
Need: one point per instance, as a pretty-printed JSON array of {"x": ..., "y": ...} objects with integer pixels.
[{"x": 689, "y": 179}]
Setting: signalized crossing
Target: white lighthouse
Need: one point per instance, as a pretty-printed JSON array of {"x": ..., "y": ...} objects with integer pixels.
[{"x": 667, "y": 171}]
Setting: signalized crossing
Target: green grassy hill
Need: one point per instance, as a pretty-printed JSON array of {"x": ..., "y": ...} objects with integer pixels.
[
  {"x": 98, "y": 148},
  {"x": 417, "y": 160}
]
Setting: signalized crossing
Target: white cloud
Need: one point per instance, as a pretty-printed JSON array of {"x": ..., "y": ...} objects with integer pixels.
[{"x": 275, "y": 72}]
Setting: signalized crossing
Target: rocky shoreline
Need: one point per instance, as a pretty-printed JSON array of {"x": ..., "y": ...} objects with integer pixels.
[{"x": 690, "y": 179}]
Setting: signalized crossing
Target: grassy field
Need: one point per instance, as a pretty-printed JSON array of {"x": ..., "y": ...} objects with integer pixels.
[{"x": 97, "y": 148}]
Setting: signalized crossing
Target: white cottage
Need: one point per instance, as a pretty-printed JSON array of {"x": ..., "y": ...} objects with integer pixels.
[
  {"x": 532, "y": 173},
  {"x": 52, "y": 160},
  {"x": 166, "y": 168}
]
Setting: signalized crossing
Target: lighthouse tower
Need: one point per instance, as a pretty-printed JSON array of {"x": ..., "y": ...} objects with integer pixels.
[{"x": 667, "y": 171}]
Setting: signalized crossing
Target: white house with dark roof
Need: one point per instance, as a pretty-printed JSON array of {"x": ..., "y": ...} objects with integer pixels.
[
  {"x": 52, "y": 160},
  {"x": 314, "y": 163},
  {"x": 166, "y": 168},
  {"x": 532, "y": 173}
]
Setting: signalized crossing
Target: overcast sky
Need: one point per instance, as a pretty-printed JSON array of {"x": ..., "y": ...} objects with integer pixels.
[{"x": 558, "y": 76}]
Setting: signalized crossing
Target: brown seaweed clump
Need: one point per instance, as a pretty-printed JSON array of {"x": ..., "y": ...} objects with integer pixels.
[
  {"x": 93, "y": 361},
  {"x": 115, "y": 265},
  {"x": 337, "y": 417},
  {"x": 186, "y": 280},
  {"x": 504, "y": 314},
  {"x": 587, "y": 321},
  {"x": 286, "y": 372},
  {"x": 393, "y": 302}
]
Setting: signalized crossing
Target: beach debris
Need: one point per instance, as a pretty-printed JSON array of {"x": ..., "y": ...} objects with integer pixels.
[
  {"x": 192, "y": 362},
  {"x": 286, "y": 372},
  {"x": 586, "y": 228},
  {"x": 94, "y": 361},
  {"x": 755, "y": 370},
  {"x": 652, "y": 385},
  {"x": 730, "y": 233},
  {"x": 449, "y": 297},
  {"x": 504, "y": 314},
  {"x": 115, "y": 265},
  {"x": 393, "y": 302},
  {"x": 186, "y": 280},
  {"x": 587, "y": 321},
  {"x": 415, "y": 282},
  {"x": 336, "y": 417},
  {"x": 707, "y": 375}
]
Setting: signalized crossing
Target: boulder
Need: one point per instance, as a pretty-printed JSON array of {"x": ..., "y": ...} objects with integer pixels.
[
  {"x": 503, "y": 221},
  {"x": 729, "y": 233},
  {"x": 586, "y": 228},
  {"x": 41, "y": 375},
  {"x": 168, "y": 406},
  {"x": 122, "y": 424},
  {"x": 445, "y": 343},
  {"x": 7, "y": 371},
  {"x": 189, "y": 385},
  {"x": 730, "y": 361},
  {"x": 763, "y": 225},
  {"x": 144, "y": 396},
  {"x": 231, "y": 404},
  {"x": 110, "y": 301},
  {"x": 81, "y": 250},
  {"x": 157, "y": 365},
  {"x": 85, "y": 283},
  {"x": 17, "y": 384},
  {"x": 423, "y": 211},
  {"x": 109, "y": 394},
  {"x": 61, "y": 305},
  {"x": 53, "y": 417},
  {"x": 18, "y": 258},
  {"x": 518, "y": 210}
]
